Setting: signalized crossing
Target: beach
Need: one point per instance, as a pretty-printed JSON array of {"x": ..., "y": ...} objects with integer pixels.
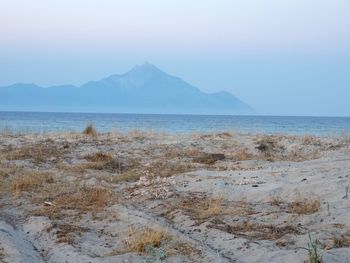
[{"x": 142, "y": 196}]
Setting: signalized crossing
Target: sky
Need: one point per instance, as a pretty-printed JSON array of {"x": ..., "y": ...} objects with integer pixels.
[{"x": 289, "y": 57}]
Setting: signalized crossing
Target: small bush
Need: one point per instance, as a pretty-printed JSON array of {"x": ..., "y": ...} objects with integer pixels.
[{"x": 90, "y": 130}]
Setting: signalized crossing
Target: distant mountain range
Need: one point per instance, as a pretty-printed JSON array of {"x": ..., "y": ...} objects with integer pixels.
[{"x": 144, "y": 89}]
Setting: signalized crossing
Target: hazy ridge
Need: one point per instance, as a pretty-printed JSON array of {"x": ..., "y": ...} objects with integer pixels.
[{"x": 143, "y": 89}]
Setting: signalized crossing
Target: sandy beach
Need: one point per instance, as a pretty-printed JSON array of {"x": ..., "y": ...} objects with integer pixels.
[{"x": 153, "y": 197}]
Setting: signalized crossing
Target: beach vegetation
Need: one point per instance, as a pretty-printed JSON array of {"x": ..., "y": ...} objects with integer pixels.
[{"x": 90, "y": 130}]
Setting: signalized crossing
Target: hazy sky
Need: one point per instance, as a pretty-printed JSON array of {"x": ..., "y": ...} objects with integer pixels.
[{"x": 289, "y": 57}]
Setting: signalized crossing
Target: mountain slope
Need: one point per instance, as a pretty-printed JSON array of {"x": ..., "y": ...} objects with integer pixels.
[{"x": 144, "y": 89}]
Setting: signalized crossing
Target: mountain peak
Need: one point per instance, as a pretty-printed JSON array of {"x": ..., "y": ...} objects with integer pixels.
[{"x": 145, "y": 69}]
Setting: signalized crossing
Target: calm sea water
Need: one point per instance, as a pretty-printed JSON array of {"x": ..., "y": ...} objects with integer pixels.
[{"x": 28, "y": 122}]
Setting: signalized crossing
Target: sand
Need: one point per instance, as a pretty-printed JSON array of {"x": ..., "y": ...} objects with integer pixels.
[{"x": 151, "y": 197}]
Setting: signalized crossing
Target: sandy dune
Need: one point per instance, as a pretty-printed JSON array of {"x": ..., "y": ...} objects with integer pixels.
[{"x": 150, "y": 197}]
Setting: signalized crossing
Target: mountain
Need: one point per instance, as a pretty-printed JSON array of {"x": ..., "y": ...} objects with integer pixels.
[{"x": 144, "y": 89}]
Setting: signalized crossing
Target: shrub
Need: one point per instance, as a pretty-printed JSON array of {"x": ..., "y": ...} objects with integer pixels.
[{"x": 90, "y": 130}]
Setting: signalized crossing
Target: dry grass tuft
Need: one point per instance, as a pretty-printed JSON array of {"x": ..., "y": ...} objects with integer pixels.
[
  {"x": 341, "y": 241},
  {"x": 303, "y": 206},
  {"x": 2, "y": 254},
  {"x": 207, "y": 207},
  {"x": 99, "y": 157},
  {"x": 7, "y": 170},
  {"x": 214, "y": 207},
  {"x": 30, "y": 181},
  {"x": 139, "y": 241},
  {"x": 90, "y": 130},
  {"x": 242, "y": 154},
  {"x": 66, "y": 233},
  {"x": 127, "y": 176},
  {"x": 85, "y": 199},
  {"x": 81, "y": 199},
  {"x": 275, "y": 200},
  {"x": 209, "y": 158}
]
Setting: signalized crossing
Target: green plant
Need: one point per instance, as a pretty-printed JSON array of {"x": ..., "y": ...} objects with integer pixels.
[
  {"x": 347, "y": 191},
  {"x": 154, "y": 254},
  {"x": 314, "y": 255}
]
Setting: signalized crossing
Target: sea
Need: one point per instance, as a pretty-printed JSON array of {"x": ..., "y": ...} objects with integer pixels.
[{"x": 44, "y": 122}]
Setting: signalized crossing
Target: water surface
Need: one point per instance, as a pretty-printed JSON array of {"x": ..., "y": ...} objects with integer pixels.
[{"x": 40, "y": 122}]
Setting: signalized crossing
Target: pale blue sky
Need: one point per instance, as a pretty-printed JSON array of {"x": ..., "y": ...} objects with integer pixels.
[{"x": 289, "y": 57}]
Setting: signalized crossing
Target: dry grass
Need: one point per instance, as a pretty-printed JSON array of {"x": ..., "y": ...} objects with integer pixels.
[
  {"x": 206, "y": 208},
  {"x": 174, "y": 151},
  {"x": 101, "y": 162},
  {"x": 209, "y": 158},
  {"x": 214, "y": 207},
  {"x": 99, "y": 157},
  {"x": 242, "y": 154},
  {"x": 66, "y": 233},
  {"x": 38, "y": 152},
  {"x": 127, "y": 176},
  {"x": 139, "y": 241},
  {"x": 182, "y": 248},
  {"x": 2, "y": 254},
  {"x": 30, "y": 181},
  {"x": 267, "y": 143},
  {"x": 141, "y": 135},
  {"x": 90, "y": 130},
  {"x": 341, "y": 241},
  {"x": 7, "y": 170},
  {"x": 82, "y": 167},
  {"x": 79, "y": 199},
  {"x": 224, "y": 135},
  {"x": 165, "y": 168},
  {"x": 85, "y": 199},
  {"x": 275, "y": 200},
  {"x": 255, "y": 231},
  {"x": 299, "y": 205},
  {"x": 304, "y": 206},
  {"x": 275, "y": 148},
  {"x": 310, "y": 140}
]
